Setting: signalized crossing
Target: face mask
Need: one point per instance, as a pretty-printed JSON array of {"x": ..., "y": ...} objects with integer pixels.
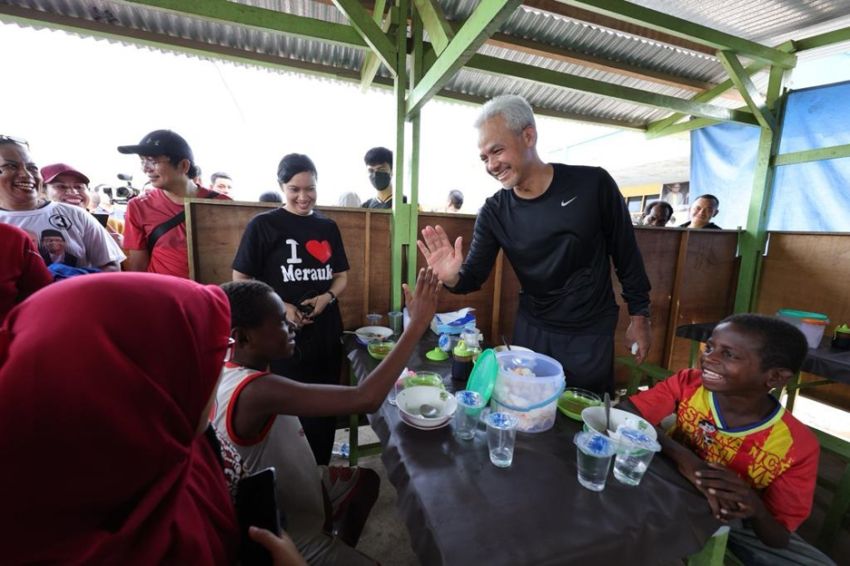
[{"x": 380, "y": 180}]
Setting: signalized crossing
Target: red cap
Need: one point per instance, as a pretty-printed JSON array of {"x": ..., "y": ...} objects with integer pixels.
[{"x": 50, "y": 172}]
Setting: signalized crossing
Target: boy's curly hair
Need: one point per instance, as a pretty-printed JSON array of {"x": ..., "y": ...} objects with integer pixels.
[
  {"x": 248, "y": 302},
  {"x": 783, "y": 345}
]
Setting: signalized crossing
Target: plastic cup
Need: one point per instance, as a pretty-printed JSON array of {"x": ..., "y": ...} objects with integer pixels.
[
  {"x": 396, "y": 322},
  {"x": 501, "y": 438},
  {"x": 593, "y": 456},
  {"x": 396, "y": 389},
  {"x": 634, "y": 454},
  {"x": 373, "y": 319},
  {"x": 469, "y": 406}
]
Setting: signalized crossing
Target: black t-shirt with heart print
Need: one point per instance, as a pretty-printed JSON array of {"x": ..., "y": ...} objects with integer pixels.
[{"x": 296, "y": 255}]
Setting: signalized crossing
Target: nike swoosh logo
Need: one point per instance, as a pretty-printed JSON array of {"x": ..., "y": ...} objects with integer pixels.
[{"x": 566, "y": 202}]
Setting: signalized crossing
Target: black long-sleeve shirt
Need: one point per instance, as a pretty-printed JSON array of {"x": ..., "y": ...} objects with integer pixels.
[{"x": 559, "y": 244}]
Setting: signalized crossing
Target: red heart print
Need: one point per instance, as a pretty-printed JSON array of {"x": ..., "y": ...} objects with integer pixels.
[{"x": 319, "y": 250}]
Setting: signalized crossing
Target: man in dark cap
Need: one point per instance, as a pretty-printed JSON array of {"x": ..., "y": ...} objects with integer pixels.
[{"x": 155, "y": 233}]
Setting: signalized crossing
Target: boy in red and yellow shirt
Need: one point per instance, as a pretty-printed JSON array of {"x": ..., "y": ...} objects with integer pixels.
[{"x": 736, "y": 443}]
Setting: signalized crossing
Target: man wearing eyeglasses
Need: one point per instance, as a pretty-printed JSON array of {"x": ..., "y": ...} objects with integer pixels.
[{"x": 155, "y": 232}]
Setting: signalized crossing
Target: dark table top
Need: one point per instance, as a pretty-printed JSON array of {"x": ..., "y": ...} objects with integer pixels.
[
  {"x": 824, "y": 361},
  {"x": 460, "y": 509}
]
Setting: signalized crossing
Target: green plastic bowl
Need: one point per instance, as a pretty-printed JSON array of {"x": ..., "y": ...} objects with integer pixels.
[
  {"x": 380, "y": 349},
  {"x": 424, "y": 378},
  {"x": 574, "y": 400},
  {"x": 482, "y": 379}
]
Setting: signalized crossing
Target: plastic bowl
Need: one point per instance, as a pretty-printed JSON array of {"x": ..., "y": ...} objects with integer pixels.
[
  {"x": 575, "y": 399},
  {"x": 594, "y": 419},
  {"x": 503, "y": 348},
  {"x": 410, "y": 399},
  {"x": 425, "y": 379},
  {"x": 380, "y": 349},
  {"x": 368, "y": 334}
]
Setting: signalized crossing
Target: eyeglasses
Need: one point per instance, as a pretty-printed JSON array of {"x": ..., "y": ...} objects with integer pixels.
[
  {"x": 231, "y": 345},
  {"x": 13, "y": 139},
  {"x": 64, "y": 187},
  {"x": 151, "y": 162}
]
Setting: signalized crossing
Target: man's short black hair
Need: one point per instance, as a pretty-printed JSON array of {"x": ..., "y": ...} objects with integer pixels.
[
  {"x": 49, "y": 233},
  {"x": 712, "y": 198},
  {"x": 663, "y": 204},
  {"x": 271, "y": 196},
  {"x": 378, "y": 155},
  {"x": 456, "y": 198},
  {"x": 219, "y": 175},
  {"x": 783, "y": 345},
  {"x": 249, "y": 304}
]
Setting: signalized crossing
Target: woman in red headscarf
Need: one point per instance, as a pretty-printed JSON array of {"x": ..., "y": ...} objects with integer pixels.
[{"x": 106, "y": 383}]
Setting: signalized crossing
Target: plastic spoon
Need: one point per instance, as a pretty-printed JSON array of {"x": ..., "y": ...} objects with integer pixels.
[
  {"x": 607, "y": 413},
  {"x": 505, "y": 342},
  {"x": 428, "y": 411}
]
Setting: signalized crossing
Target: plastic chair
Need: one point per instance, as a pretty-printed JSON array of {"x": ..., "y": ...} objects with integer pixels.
[{"x": 714, "y": 551}]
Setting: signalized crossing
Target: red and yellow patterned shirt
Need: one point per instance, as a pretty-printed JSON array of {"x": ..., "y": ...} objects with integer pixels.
[{"x": 778, "y": 456}]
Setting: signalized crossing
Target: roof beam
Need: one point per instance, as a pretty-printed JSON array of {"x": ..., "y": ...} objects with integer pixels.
[
  {"x": 822, "y": 40},
  {"x": 685, "y": 126},
  {"x": 371, "y": 63},
  {"x": 597, "y": 19},
  {"x": 362, "y": 21},
  {"x": 685, "y": 29},
  {"x": 755, "y": 101},
  {"x": 712, "y": 93},
  {"x": 259, "y": 18},
  {"x": 439, "y": 30},
  {"x": 573, "y": 57},
  {"x": 608, "y": 90},
  {"x": 481, "y": 24},
  {"x": 820, "y": 154}
]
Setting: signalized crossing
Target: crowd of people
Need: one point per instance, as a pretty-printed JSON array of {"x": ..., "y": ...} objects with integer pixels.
[{"x": 190, "y": 388}]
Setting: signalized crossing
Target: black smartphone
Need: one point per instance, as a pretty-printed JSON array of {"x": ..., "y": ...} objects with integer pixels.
[
  {"x": 256, "y": 506},
  {"x": 101, "y": 217},
  {"x": 306, "y": 310}
]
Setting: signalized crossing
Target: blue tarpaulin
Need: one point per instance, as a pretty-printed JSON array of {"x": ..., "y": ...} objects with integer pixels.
[{"x": 812, "y": 196}]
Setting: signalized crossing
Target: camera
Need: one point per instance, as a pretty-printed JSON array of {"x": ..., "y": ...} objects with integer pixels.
[{"x": 122, "y": 194}]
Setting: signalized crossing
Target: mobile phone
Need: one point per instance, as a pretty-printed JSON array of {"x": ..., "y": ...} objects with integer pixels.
[
  {"x": 101, "y": 217},
  {"x": 306, "y": 310},
  {"x": 256, "y": 506}
]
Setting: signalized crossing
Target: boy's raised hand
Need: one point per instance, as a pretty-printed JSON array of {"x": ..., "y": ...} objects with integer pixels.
[{"x": 422, "y": 302}]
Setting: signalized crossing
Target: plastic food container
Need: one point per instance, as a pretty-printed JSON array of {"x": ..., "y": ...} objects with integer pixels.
[
  {"x": 812, "y": 324},
  {"x": 528, "y": 386}
]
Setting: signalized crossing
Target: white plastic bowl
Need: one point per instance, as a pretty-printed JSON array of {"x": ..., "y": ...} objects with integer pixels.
[
  {"x": 410, "y": 399},
  {"x": 594, "y": 418},
  {"x": 503, "y": 348},
  {"x": 368, "y": 334}
]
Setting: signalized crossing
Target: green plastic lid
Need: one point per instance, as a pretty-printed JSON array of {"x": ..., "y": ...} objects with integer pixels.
[
  {"x": 482, "y": 379},
  {"x": 792, "y": 313},
  {"x": 437, "y": 355}
]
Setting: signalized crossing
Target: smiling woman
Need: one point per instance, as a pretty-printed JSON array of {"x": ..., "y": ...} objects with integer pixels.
[
  {"x": 86, "y": 242},
  {"x": 299, "y": 252}
]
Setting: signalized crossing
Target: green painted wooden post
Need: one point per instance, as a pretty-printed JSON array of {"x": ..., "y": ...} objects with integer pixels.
[
  {"x": 418, "y": 71},
  {"x": 401, "y": 211},
  {"x": 751, "y": 242}
]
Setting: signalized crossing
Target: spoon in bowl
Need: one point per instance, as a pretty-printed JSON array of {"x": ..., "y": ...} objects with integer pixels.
[{"x": 428, "y": 411}]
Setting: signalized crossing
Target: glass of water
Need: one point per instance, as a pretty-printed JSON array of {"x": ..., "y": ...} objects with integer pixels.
[
  {"x": 593, "y": 454},
  {"x": 634, "y": 453},
  {"x": 501, "y": 438},
  {"x": 469, "y": 405}
]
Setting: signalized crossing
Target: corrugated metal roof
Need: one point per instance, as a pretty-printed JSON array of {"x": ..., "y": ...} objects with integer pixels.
[{"x": 759, "y": 20}]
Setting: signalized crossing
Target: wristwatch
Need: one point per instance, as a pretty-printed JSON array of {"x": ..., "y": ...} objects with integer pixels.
[{"x": 333, "y": 297}]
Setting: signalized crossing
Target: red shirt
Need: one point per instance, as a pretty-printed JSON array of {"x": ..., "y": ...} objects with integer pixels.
[
  {"x": 778, "y": 456},
  {"x": 22, "y": 271},
  {"x": 144, "y": 213}
]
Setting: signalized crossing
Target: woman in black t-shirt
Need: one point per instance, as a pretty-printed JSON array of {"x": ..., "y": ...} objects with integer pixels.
[{"x": 299, "y": 252}]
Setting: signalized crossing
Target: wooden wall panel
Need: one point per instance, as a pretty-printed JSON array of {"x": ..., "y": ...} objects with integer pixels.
[
  {"x": 659, "y": 248},
  {"x": 709, "y": 280},
  {"x": 809, "y": 272},
  {"x": 215, "y": 229}
]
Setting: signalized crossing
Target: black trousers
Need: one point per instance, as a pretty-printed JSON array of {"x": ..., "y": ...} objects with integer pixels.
[
  {"x": 588, "y": 358},
  {"x": 317, "y": 359}
]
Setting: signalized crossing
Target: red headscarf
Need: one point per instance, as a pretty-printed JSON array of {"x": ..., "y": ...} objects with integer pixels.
[
  {"x": 22, "y": 271},
  {"x": 103, "y": 380}
]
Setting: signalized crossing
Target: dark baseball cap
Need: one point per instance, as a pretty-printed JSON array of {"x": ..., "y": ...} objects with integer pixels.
[
  {"x": 50, "y": 172},
  {"x": 161, "y": 142}
]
